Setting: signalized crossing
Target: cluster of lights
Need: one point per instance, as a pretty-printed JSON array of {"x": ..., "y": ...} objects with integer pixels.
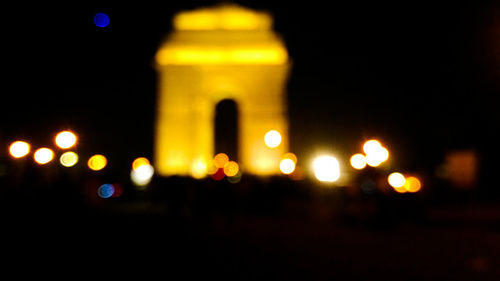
[
  {"x": 402, "y": 184},
  {"x": 64, "y": 140},
  {"x": 222, "y": 167},
  {"x": 374, "y": 155},
  {"x": 142, "y": 172},
  {"x": 44, "y": 155},
  {"x": 326, "y": 167}
]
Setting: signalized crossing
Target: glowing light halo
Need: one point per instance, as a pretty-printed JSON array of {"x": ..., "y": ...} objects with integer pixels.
[
  {"x": 272, "y": 138},
  {"x": 396, "y": 180},
  {"x": 19, "y": 149},
  {"x": 65, "y": 139},
  {"x": 358, "y": 161},
  {"x": 287, "y": 166},
  {"x": 326, "y": 168},
  {"x": 43, "y": 155},
  {"x": 68, "y": 159},
  {"x": 97, "y": 162}
]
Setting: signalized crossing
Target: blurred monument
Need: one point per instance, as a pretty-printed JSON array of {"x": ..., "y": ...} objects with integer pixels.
[{"x": 214, "y": 54}]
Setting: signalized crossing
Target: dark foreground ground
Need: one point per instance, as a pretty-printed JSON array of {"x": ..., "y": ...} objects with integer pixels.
[{"x": 214, "y": 232}]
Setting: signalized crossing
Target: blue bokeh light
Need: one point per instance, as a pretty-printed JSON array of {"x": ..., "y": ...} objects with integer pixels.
[
  {"x": 106, "y": 190},
  {"x": 101, "y": 20}
]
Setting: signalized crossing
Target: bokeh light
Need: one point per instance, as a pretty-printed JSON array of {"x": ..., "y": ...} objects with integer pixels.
[
  {"x": 326, "y": 168},
  {"x": 376, "y": 154},
  {"x": 68, "y": 159},
  {"x": 396, "y": 180},
  {"x": 43, "y": 155},
  {"x": 231, "y": 168},
  {"x": 358, "y": 161},
  {"x": 106, "y": 190},
  {"x": 139, "y": 162},
  {"x": 218, "y": 175},
  {"x": 272, "y": 139},
  {"x": 97, "y": 162},
  {"x": 371, "y": 146},
  {"x": 287, "y": 166},
  {"x": 101, "y": 20},
  {"x": 19, "y": 149},
  {"x": 236, "y": 178},
  {"x": 412, "y": 184},
  {"x": 291, "y": 156},
  {"x": 220, "y": 160},
  {"x": 65, "y": 139},
  {"x": 143, "y": 175}
]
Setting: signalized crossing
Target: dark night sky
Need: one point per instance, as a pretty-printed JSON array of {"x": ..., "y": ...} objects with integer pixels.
[{"x": 420, "y": 75}]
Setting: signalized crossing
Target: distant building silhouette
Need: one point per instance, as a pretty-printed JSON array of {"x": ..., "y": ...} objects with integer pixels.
[{"x": 213, "y": 54}]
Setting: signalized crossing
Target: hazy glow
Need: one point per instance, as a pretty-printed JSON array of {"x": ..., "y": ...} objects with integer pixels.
[
  {"x": 198, "y": 169},
  {"x": 396, "y": 180},
  {"x": 326, "y": 168},
  {"x": 43, "y": 155},
  {"x": 225, "y": 17},
  {"x": 106, "y": 190},
  {"x": 19, "y": 149},
  {"x": 412, "y": 184},
  {"x": 183, "y": 56},
  {"x": 65, "y": 139},
  {"x": 287, "y": 166},
  {"x": 97, "y": 162},
  {"x": 139, "y": 162},
  {"x": 272, "y": 138},
  {"x": 211, "y": 169},
  {"x": 358, "y": 161},
  {"x": 290, "y": 156},
  {"x": 142, "y": 175},
  {"x": 68, "y": 159},
  {"x": 220, "y": 160},
  {"x": 231, "y": 169}
]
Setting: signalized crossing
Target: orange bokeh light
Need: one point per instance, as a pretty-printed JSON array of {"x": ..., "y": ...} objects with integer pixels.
[
  {"x": 231, "y": 169},
  {"x": 220, "y": 160}
]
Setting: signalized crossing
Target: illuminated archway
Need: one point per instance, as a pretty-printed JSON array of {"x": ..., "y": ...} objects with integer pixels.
[{"x": 224, "y": 52}]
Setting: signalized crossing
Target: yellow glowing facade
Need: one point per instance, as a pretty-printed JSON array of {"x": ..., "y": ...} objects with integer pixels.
[{"x": 224, "y": 52}]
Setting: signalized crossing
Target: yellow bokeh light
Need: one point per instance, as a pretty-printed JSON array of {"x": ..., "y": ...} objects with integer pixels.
[
  {"x": 396, "y": 180},
  {"x": 358, "y": 161},
  {"x": 97, "y": 162},
  {"x": 272, "y": 139},
  {"x": 290, "y": 156},
  {"x": 220, "y": 160},
  {"x": 68, "y": 159},
  {"x": 326, "y": 168},
  {"x": 43, "y": 155},
  {"x": 19, "y": 149},
  {"x": 65, "y": 139},
  {"x": 412, "y": 184},
  {"x": 287, "y": 166},
  {"x": 140, "y": 161},
  {"x": 231, "y": 168}
]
